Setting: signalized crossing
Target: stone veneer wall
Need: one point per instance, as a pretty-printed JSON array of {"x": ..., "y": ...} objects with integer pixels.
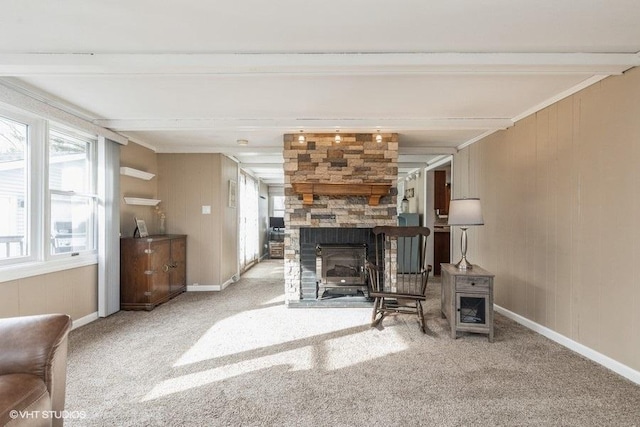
[{"x": 356, "y": 159}]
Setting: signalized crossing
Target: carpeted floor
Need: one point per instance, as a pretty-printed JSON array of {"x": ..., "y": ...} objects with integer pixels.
[{"x": 239, "y": 357}]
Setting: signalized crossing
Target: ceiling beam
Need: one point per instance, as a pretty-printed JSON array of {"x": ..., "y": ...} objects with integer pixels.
[
  {"x": 24, "y": 100},
  {"x": 402, "y": 151},
  {"x": 411, "y": 165},
  {"x": 262, "y": 175},
  {"x": 225, "y": 149},
  {"x": 544, "y": 104},
  {"x": 309, "y": 125},
  {"x": 276, "y": 166},
  {"x": 417, "y": 153},
  {"x": 33, "y": 64}
]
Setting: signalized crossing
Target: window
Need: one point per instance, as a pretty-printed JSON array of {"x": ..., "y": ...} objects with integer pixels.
[
  {"x": 47, "y": 208},
  {"x": 72, "y": 193},
  {"x": 278, "y": 206},
  {"x": 14, "y": 207}
]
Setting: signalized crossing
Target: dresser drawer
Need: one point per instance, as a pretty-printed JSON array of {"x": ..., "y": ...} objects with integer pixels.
[{"x": 472, "y": 284}]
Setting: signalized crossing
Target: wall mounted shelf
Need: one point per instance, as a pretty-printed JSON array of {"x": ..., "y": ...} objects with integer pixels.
[
  {"x": 373, "y": 191},
  {"x": 136, "y": 173},
  {"x": 141, "y": 201}
]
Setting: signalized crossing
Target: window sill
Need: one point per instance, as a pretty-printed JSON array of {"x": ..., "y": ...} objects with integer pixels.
[{"x": 29, "y": 269}]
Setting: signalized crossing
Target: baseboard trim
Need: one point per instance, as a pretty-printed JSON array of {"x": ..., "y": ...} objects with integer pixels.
[
  {"x": 228, "y": 282},
  {"x": 202, "y": 288},
  {"x": 609, "y": 363},
  {"x": 209, "y": 288},
  {"x": 84, "y": 320}
]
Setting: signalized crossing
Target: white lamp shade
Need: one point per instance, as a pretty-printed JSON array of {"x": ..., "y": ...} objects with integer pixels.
[{"x": 465, "y": 212}]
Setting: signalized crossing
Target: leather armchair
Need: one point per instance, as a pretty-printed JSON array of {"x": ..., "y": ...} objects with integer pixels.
[{"x": 33, "y": 369}]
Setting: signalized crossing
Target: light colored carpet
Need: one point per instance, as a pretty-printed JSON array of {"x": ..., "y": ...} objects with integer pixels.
[{"x": 239, "y": 357}]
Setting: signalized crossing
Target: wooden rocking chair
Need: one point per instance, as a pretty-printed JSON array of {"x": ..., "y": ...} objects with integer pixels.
[{"x": 408, "y": 293}]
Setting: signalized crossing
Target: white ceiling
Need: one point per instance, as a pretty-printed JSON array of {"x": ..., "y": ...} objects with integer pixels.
[{"x": 195, "y": 76}]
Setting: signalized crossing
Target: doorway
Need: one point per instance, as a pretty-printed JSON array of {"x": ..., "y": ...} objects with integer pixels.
[
  {"x": 249, "y": 247},
  {"x": 438, "y": 187}
]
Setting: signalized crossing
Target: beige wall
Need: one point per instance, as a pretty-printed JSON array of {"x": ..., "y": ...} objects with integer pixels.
[
  {"x": 561, "y": 203},
  {"x": 186, "y": 182},
  {"x": 138, "y": 157},
  {"x": 73, "y": 292},
  {"x": 228, "y": 227}
]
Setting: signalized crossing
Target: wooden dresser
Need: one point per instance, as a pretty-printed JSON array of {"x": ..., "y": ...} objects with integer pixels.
[{"x": 152, "y": 270}]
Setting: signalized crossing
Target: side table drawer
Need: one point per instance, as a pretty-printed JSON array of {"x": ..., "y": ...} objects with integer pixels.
[
  {"x": 276, "y": 250},
  {"x": 472, "y": 284}
]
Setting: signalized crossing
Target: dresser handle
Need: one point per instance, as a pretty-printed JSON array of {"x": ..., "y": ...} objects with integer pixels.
[{"x": 165, "y": 268}]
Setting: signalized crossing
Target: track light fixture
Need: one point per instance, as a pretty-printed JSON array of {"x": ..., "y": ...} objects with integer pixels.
[
  {"x": 378, "y": 137},
  {"x": 413, "y": 175}
]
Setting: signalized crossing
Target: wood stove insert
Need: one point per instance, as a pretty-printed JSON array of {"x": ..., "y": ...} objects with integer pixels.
[{"x": 341, "y": 270}]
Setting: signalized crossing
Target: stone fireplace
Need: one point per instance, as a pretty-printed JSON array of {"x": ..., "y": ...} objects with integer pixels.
[{"x": 361, "y": 193}]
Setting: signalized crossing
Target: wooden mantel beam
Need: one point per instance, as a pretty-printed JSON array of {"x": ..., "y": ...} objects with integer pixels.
[{"x": 374, "y": 191}]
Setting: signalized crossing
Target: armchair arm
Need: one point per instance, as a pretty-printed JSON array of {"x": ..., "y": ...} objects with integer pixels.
[{"x": 37, "y": 345}]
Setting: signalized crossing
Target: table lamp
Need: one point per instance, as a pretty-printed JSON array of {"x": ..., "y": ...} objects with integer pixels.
[{"x": 464, "y": 213}]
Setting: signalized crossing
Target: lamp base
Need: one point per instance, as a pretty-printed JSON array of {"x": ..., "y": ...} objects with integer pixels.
[{"x": 463, "y": 264}]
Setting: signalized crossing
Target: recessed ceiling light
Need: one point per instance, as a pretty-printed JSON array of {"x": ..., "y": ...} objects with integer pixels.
[{"x": 242, "y": 142}]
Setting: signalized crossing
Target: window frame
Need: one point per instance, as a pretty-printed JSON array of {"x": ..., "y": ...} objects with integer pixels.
[
  {"x": 33, "y": 190},
  {"x": 39, "y": 259},
  {"x": 92, "y": 194}
]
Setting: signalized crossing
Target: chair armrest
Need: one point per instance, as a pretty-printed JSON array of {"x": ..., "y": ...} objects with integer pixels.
[
  {"x": 29, "y": 343},
  {"x": 37, "y": 345}
]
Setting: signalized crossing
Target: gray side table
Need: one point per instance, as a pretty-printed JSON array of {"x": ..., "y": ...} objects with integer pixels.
[{"x": 467, "y": 300}]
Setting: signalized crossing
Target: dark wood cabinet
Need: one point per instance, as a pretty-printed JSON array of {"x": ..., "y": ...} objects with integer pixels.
[
  {"x": 441, "y": 192},
  {"x": 441, "y": 250},
  {"x": 152, "y": 270}
]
